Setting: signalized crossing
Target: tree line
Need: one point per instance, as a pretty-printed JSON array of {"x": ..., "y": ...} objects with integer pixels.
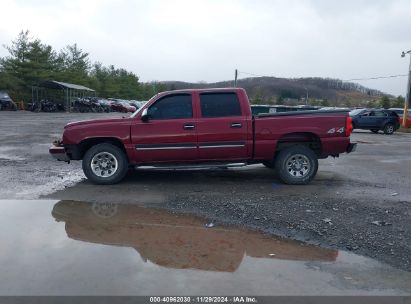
[{"x": 30, "y": 61}]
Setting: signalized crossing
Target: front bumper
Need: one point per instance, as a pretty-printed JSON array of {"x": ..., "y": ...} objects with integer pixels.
[
  {"x": 59, "y": 152},
  {"x": 351, "y": 147}
]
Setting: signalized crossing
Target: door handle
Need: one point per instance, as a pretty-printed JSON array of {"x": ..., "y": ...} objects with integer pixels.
[
  {"x": 236, "y": 125},
  {"x": 188, "y": 127}
]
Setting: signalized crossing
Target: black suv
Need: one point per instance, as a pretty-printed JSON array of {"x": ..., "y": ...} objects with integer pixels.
[
  {"x": 375, "y": 120},
  {"x": 6, "y": 103}
]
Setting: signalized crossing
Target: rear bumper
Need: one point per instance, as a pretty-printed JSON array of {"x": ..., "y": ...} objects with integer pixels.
[
  {"x": 59, "y": 153},
  {"x": 351, "y": 147}
]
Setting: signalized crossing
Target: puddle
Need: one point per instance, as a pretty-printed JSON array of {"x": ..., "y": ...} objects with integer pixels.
[{"x": 78, "y": 248}]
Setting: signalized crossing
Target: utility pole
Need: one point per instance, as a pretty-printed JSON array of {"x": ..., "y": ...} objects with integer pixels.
[
  {"x": 306, "y": 95},
  {"x": 407, "y": 96},
  {"x": 235, "y": 78}
]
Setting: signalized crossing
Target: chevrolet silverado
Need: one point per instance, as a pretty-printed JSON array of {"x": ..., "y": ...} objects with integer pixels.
[{"x": 205, "y": 128}]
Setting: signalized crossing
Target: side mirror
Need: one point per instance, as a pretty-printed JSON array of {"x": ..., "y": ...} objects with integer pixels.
[{"x": 144, "y": 116}]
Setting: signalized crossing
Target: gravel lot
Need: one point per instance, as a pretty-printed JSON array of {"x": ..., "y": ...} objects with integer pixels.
[{"x": 359, "y": 202}]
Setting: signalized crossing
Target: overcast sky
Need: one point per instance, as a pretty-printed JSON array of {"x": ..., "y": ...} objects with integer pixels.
[{"x": 191, "y": 40}]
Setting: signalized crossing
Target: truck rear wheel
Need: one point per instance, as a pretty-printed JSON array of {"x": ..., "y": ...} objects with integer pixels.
[
  {"x": 105, "y": 164},
  {"x": 296, "y": 165}
]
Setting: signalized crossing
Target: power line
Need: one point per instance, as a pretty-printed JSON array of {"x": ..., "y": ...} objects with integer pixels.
[
  {"x": 354, "y": 79},
  {"x": 378, "y": 77},
  {"x": 251, "y": 74}
]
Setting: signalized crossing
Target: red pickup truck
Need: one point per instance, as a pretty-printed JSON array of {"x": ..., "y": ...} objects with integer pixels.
[{"x": 205, "y": 128}]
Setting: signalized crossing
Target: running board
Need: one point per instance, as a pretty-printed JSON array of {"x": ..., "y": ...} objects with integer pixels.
[{"x": 197, "y": 166}]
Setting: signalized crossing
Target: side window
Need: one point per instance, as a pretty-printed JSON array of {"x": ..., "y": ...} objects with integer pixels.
[
  {"x": 219, "y": 104},
  {"x": 172, "y": 107},
  {"x": 380, "y": 114}
]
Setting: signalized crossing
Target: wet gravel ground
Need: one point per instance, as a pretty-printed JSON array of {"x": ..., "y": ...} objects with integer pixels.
[{"x": 359, "y": 202}]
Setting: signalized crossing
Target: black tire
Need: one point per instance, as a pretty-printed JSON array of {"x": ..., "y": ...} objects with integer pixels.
[
  {"x": 389, "y": 129},
  {"x": 269, "y": 164},
  {"x": 289, "y": 173},
  {"x": 110, "y": 155},
  {"x": 374, "y": 130}
]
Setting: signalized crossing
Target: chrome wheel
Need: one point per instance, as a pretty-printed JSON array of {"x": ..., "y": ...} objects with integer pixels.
[
  {"x": 298, "y": 165},
  {"x": 104, "y": 164},
  {"x": 390, "y": 129}
]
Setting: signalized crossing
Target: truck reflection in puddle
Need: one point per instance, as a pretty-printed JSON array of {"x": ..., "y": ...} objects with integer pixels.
[{"x": 177, "y": 241}]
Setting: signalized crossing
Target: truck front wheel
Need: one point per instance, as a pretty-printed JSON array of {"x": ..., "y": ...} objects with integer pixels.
[
  {"x": 296, "y": 165},
  {"x": 105, "y": 164}
]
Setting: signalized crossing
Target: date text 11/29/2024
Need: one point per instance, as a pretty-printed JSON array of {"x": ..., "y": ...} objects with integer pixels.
[{"x": 204, "y": 299}]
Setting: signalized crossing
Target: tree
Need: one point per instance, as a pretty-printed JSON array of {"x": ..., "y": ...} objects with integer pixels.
[
  {"x": 29, "y": 61},
  {"x": 348, "y": 103},
  {"x": 372, "y": 104},
  {"x": 270, "y": 100},
  {"x": 325, "y": 103},
  {"x": 112, "y": 82},
  {"x": 385, "y": 102},
  {"x": 258, "y": 98},
  {"x": 74, "y": 64},
  {"x": 398, "y": 102},
  {"x": 280, "y": 100}
]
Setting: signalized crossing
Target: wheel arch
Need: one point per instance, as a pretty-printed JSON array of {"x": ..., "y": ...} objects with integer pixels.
[
  {"x": 83, "y": 146},
  {"x": 309, "y": 139}
]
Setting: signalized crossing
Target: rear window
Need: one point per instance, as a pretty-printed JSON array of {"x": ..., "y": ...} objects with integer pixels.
[
  {"x": 356, "y": 112},
  {"x": 219, "y": 105}
]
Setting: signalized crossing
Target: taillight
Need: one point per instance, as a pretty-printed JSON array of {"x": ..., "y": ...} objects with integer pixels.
[{"x": 348, "y": 126}]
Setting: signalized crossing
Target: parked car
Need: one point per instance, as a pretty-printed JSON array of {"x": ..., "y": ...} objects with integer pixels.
[
  {"x": 121, "y": 106},
  {"x": 400, "y": 113},
  {"x": 104, "y": 104},
  {"x": 136, "y": 104},
  {"x": 84, "y": 105},
  {"x": 375, "y": 120},
  {"x": 130, "y": 108},
  {"x": 6, "y": 103},
  {"x": 205, "y": 128}
]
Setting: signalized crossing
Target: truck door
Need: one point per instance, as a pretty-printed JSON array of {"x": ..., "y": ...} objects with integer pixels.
[
  {"x": 221, "y": 127},
  {"x": 169, "y": 134}
]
